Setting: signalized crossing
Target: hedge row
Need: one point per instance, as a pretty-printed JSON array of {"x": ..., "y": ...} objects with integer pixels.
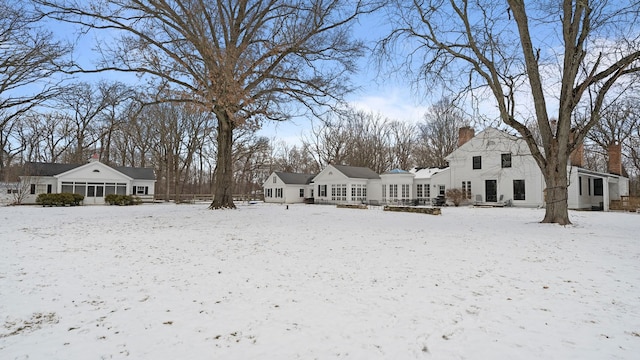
[
  {"x": 114, "y": 199},
  {"x": 61, "y": 199}
]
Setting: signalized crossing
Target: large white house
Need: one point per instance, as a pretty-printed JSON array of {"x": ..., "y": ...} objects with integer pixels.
[
  {"x": 495, "y": 167},
  {"x": 491, "y": 168},
  {"x": 94, "y": 180}
]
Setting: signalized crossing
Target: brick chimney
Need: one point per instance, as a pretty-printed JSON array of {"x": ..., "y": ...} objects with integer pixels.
[
  {"x": 576, "y": 156},
  {"x": 465, "y": 134},
  {"x": 95, "y": 157},
  {"x": 615, "y": 158}
]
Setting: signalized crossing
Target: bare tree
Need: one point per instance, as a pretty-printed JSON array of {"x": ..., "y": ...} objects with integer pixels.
[
  {"x": 513, "y": 50},
  {"x": 403, "y": 144},
  {"x": 28, "y": 58},
  {"x": 438, "y": 134},
  {"x": 243, "y": 60},
  {"x": 327, "y": 142}
]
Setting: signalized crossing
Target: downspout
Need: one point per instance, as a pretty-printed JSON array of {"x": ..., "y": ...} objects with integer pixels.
[{"x": 605, "y": 194}]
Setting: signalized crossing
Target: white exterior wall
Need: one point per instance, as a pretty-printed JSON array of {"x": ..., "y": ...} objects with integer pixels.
[
  {"x": 327, "y": 177},
  {"x": 442, "y": 178},
  {"x": 150, "y": 184},
  {"x": 290, "y": 192},
  {"x": 398, "y": 179},
  {"x": 613, "y": 187},
  {"x": 330, "y": 176},
  {"x": 490, "y": 145},
  {"x": 42, "y": 184},
  {"x": 374, "y": 191},
  {"x": 97, "y": 173}
]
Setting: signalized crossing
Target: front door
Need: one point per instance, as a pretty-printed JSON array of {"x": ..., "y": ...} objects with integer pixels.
[
  {"x": 95, "y": 193},
  {"x": 491, "y": 190}
]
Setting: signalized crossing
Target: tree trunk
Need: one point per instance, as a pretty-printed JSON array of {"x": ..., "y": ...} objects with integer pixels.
[
  {"x": 556, "y": 193},
  {"x": 223, "y": 176}
]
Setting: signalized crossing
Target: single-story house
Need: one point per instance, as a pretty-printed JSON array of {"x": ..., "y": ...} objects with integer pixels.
[
  {"x": 288, "y": 188},
  {"x": 94, "y": 180}
]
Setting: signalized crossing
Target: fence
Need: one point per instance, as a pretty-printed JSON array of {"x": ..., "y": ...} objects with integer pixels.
[{"x": 627, "y": 203}]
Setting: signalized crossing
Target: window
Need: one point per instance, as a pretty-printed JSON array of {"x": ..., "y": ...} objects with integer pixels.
[
  {"x": 405, "y": 191},
  {"x": 301, "y": 193},
  {"x": 275, "y": 179},
  {"x": 268, "y": 193},
  {"x": 466, "y": 189},
  {"x": 441, "y": 189},
  {"x": 518, "y": 190},
  {"x": 419, "y": 191},
  {"x": 140, "y": 190},
  {"x": 506, "y": 160},
  {"x": 279, "y": 192},
  {"x": 67, "y": 187},
  {"x": 597, "y": 187},
  {"x": 477, "y": 162},
  {"x": 393, "y": 190},
  {"x": 358, "y": 192},
  {"x": 579, "y": 185},
  {"x": 40, "y": 189},
  {"x": 339, "y": 192},
  {"x": 384, "y": 191},
  {"x": 322, "y": 190},
  {"x": 427, "y": 191}
]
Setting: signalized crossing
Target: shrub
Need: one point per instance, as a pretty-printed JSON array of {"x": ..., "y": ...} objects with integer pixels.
[
  {"x": 61, "y": 199},
  {"x": 456, "y": 196},
  {"x": 114, "y": 199}
]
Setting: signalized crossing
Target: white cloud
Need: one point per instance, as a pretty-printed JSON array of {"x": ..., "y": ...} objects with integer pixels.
[{"x": 394, "y": 103}]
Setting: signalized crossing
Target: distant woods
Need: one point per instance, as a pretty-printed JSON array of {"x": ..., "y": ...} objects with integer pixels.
[{"x": 179, "y": 142}]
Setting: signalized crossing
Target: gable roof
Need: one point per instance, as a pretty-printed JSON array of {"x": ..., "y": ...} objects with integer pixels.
[
  {"x": 295, "y": 178},
  {"x": 137, "y": 173},
  {"x": 485, "y": 136},
  {"x": 52, "y": 169},
  {"x": 47, "y": 169},
  {"x": 357, "y": 172}
]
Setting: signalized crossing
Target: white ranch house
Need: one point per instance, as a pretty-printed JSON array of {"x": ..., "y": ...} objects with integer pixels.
[
  {"x": 492, "y": 168},
  {"x": 94, "y": 180},
  {"x": 289, "y": 188}
]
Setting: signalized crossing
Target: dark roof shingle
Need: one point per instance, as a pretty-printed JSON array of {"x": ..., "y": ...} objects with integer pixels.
[
  {"x": 295, "y": 178},
  {"x": 357, "y": 172}
]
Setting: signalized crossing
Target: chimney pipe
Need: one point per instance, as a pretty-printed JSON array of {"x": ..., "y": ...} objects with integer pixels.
[
  {"x": 615, "y": 158},
  {"x": 465, "y": 134},
  {"x": 577, "y": 154}
]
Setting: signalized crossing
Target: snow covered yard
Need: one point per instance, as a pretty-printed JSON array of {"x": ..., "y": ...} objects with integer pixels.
[{"x": 262, "y": 282}]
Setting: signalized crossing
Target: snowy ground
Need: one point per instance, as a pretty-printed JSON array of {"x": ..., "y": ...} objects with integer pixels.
[{"x": 263, "y": 282}]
